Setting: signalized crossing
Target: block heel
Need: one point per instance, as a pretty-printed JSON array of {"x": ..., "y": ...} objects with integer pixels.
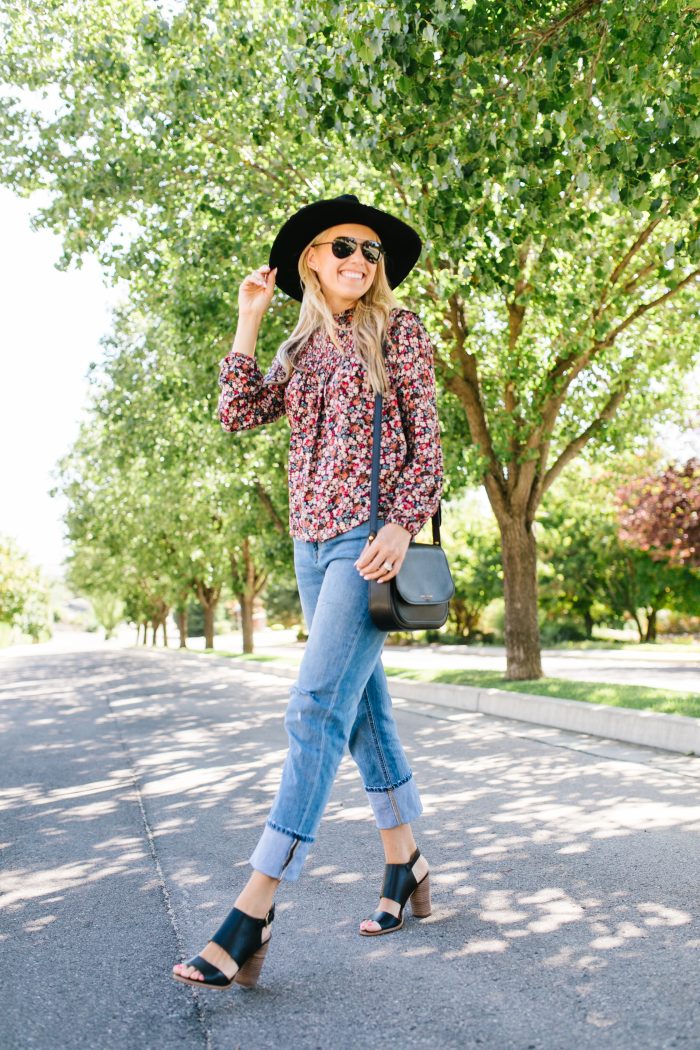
[
  {"x": 420, "y": 899},
  {"x": 249, "y": 973}
]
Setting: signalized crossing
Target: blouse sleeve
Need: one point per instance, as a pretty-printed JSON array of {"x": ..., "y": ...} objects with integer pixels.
[
  {"x": 419, "y": 489},
  {"x": 248, "y": 398}
]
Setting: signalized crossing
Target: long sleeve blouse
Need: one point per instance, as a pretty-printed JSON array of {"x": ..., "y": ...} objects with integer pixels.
[{"x": 331, "y": 418}]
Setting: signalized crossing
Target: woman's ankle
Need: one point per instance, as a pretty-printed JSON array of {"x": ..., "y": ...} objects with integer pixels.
[{"x": 257, "y": 895}]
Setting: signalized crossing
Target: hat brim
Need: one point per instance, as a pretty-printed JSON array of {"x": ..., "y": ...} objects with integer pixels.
[{"x": 402, "y": 243}]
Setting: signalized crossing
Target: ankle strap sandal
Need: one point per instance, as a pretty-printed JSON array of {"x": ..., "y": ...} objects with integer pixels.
[
  {"x": 401, "y": 885},
  {"x": 241, "y": 937}
]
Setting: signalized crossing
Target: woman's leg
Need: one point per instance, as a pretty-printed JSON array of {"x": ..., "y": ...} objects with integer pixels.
[
  {"x": 342, "y": 650},
  {"x": 375, "y": 745}
]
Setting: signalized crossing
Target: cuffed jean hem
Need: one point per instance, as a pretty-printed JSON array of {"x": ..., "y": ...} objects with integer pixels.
[
  {"x": 279, "y": 855},
  {"x": 396, "y": 805}
]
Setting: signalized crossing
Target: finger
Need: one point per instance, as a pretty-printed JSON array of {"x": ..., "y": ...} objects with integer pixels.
[
  {"x": 376, "y": 569},
  {"x": 373, "y": 556},
  {"x": 257, "y": 280},
  {"x": 363, "y": 556}
]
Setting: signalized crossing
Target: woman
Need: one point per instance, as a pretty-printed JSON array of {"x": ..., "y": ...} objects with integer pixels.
[{"x": 341, "y": 259}]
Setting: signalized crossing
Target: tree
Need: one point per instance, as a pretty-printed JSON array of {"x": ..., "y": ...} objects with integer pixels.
[
  {"x": 588, "y": 570},
  {"x": 660, "y": 513},
  {"x": 24, "y": 597},
  {"x": 474, "y": 551},
  {"x": 557, "y": 191},
  {"x": 555, "y": 187},
  {"x": 641, "y": 586}
]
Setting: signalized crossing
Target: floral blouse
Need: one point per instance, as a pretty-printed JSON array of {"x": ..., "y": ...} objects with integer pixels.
[{"x": 331, "y": 418}]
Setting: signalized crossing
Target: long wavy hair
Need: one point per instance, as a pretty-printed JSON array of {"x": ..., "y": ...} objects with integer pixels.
[{"x": 369, "y": 323}]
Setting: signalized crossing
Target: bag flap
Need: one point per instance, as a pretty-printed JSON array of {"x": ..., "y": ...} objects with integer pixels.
[{"x": 424, "y": 577}]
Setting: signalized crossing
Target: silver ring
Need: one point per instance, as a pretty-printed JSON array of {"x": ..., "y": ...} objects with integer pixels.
[{"x": 387, "y": 566}]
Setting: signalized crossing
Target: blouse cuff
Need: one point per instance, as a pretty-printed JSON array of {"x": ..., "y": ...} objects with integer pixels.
[
  {"x": 405, "y": 520},
  {"x": 236, "y": 364}
]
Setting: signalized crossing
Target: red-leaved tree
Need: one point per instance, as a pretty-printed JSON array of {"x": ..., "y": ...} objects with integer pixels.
[{"x": 660, "y": 513}]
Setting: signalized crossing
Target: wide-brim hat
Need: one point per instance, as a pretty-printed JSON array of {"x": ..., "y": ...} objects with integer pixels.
[{"x": 402, "y": 243}]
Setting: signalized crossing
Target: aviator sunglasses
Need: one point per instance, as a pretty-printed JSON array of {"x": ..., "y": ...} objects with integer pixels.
[{"x": 344, "y": 247}]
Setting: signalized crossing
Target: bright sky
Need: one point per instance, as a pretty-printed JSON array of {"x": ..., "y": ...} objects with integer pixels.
[
  {"x": 51, "y": 325},
  {"x": 52, "y": 322}
]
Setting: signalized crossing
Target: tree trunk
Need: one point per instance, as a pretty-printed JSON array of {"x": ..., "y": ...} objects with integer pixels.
[
  {"x": 209, "y": 608},
  {"x": 154, "y": 627},
  {"x": 640, "y": 630},
  {"x": 246, "y": 584},
  {"x": 208, "y": 599},
  {"x": 651, "y": 626},
  {"x": 164, "y": 625},
  {"x": 138, "y": 632},
  {"x": 588, "y": 621},
  {"x": 145, "y": 632},
  {"x": 246, "y": 604},
  {"x": 181, "y": 617},
  {"x": 519, "y": 555}
]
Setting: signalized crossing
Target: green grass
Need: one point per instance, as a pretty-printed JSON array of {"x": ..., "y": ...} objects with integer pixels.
[
  {"x": 639, "y": 697},
  {"x": 253, "y": 657},
  {"x": 684, "y": 646},
  {"x": 636, "y": 696}
]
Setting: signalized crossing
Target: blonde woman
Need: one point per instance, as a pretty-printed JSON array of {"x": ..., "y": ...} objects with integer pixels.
[{"x": 340, "y": 259}]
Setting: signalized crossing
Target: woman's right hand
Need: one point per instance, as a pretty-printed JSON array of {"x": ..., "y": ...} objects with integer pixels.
[{"x": 256, "y": 291}]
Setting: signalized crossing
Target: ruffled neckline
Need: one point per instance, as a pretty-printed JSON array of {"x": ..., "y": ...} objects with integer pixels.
[{"x": 345, "y": 317}]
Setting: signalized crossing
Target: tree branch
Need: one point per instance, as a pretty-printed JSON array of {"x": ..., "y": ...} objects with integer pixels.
[
  {"x": 577, "y": 363},
  {"x": 641, "y": 240},
  {"x": 465, "y": 385},
  {"x": 578, "y": 443},
  {"x": 645, "y": 307},
  {"x": 269, "y": 506}
]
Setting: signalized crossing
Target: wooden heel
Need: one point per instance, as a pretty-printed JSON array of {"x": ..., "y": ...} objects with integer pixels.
[
  {"x": 249, "y": 973},
  {"x": 420, "y": 899}
]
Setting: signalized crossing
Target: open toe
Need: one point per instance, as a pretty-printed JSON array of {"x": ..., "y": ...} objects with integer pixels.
[{"x": 242, "y": 940}]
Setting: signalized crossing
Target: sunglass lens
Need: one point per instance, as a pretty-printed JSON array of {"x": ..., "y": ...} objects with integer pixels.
[{"x": 342, "y": 247}]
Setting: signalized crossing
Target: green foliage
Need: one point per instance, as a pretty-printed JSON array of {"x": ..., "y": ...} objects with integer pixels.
[
  {"x": 24, "y": 596},
  {"x": 588, "y": 575},
  {"x": 554, "y": 184},
  {"x": 473, "y": 548}
]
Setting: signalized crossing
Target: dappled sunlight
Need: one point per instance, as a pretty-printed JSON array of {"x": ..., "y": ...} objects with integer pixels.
[{"x": 539, "y": 854}]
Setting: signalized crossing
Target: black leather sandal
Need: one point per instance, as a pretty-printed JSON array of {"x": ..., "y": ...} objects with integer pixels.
[
  {"x": 401, "y": 885},
  {"x": 239, "y": 935}
]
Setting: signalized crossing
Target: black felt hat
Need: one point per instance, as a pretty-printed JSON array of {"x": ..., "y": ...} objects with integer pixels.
[{"x": 402, "y": 243}]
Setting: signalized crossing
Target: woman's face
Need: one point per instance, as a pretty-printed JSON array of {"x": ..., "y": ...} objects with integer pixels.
[{"x": 343, "y": 281}]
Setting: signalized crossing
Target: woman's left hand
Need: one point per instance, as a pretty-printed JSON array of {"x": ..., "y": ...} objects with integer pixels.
[{"x": 389, "y": 545}]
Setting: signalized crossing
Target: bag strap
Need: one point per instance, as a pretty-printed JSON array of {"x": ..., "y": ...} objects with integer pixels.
[{"x": 374, "y": 490}]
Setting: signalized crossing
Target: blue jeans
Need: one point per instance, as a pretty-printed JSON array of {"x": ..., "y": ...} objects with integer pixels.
[{"x": 340, "y": 698}]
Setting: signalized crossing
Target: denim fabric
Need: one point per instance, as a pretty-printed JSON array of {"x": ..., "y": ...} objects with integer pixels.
[{"x": 340, "y": 698}]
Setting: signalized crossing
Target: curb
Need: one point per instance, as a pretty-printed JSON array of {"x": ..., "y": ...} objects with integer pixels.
[{"x": 677, "y": 733}]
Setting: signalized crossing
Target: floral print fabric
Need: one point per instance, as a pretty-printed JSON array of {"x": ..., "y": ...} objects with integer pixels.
[{"x": 331, "y": 418}]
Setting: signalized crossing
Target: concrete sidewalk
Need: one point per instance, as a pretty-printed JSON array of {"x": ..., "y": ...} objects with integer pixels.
[
  {"x": 135, "y": 784},
  {"x": 675, "y": 733}
]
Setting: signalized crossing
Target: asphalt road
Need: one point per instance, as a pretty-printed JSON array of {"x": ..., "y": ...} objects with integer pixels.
[{"x": 134, "y": 785}]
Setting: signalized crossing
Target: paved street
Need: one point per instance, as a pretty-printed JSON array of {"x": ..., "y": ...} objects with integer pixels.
[{"x": 134, "y": 786}]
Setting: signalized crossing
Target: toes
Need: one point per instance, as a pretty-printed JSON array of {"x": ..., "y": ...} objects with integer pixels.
[{"x": 187, "y": 971}]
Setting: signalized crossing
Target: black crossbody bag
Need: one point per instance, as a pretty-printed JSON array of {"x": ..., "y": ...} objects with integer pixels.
[{"x": 418, "y": 597}]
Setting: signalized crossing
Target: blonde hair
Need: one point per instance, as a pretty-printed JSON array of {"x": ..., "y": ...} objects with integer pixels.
[{"x": 369, "y": 323}]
